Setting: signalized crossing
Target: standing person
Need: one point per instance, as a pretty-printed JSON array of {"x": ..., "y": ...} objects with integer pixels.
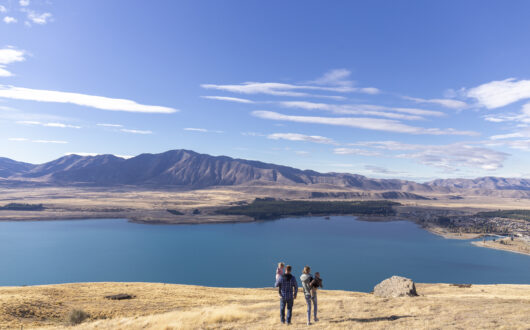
[
  {"x": 279, "y": 271},
  {"x": 315, "y": 284},
  {"x": 306, "y": 279},
  {"x": 288, "y": 289}
]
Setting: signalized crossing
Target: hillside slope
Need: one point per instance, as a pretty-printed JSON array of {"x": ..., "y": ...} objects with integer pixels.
[{"x": 171, "y": 306}]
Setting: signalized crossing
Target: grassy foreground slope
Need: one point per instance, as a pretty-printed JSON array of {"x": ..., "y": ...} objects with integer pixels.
[{"x": 171, "y": 306}]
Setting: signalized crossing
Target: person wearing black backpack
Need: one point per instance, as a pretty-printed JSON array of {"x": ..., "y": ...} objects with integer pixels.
[
  {"x": 315, "y": 284},
  {"x": 307, "y": 280}
]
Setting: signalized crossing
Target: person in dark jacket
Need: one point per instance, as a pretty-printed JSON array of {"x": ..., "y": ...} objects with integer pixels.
[{"x": 287, "y": 289}]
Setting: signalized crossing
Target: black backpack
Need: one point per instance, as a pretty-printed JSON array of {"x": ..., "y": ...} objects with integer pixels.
[{"x": 315, "y": 282}]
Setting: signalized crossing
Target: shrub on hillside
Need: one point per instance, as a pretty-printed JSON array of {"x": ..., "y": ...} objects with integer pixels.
[{"x": 77, "y": 316}]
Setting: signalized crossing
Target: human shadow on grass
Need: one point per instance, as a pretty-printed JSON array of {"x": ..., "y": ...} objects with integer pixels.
[{"x": 371, "y": 319}]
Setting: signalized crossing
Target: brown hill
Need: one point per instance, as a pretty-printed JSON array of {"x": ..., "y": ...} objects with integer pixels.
[{"x": 187, "y": 168}]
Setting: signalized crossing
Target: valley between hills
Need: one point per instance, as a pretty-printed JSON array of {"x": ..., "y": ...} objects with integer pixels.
[{"x": 184, "y": 187}]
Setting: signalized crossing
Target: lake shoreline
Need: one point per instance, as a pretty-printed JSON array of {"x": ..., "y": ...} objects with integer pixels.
[
  {"x": 165, "y": 218},
  {"x": 517, "y": 246}
]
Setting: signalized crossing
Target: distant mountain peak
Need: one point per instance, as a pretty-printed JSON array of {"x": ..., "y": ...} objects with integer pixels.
[{"x": 188, "y": 168}]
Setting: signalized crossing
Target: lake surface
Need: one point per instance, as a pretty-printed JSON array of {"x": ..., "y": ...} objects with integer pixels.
[{"x": 350, "y": 254}]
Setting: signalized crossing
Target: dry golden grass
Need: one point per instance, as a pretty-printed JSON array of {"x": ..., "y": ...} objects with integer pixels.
[
  {"x": 150, "y": 205},
  {"x": 451, "y": 235},
  {"x": 518, "y": 245},
  {"x": 170, "y": 306}
]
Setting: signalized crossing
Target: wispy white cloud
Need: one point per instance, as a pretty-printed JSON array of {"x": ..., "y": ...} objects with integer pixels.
[
  {"x": 522, "y": 117},
  {"x": 4, "y": 72},
  {"x": 340, "y": 77},
  {"x": 519, "y": 144},
  {"x": 302, "y": 152},
  {"x": 333, "y": 81},
  {"x": 495, "y": 119},
  {"x": 38, "y": 123},
  {"x": 50, "y": 141},
  {"x": 61, "y": 125},
  {"x": 192, "y": 129},
  {"x": 271, "y": 88},
  {"x": 361, "y": 122},
  {"x": 136, "y": 131},
  {"x": 516, "y": 140},
  {"x": 523, "y": 144},
  {"x": 10, "y": 55},
  {"x": 110, "y": 125},
  {"x": 227, "y": 98},
  {"x": 17, "y": 139},
  {"x": 9, "y": 20},
  {"x": 510, "y": 135},
  {"x": 252, "y": 134},
  {"x": 38, "y": 18},
  {"x": 3, "y": 9},
  {"x": 201, "y": 130},
  {"x": 355, "y": 151},
  {"x": 388, "y": 145},
  {"x": 449, "y": 156},
  {"x": 454, "y": 156},
  {"x": 380, "y": 170},
  {"x": 448, "y": 103},
  {"x": 6, "y": 108},
  {"x": 364, "y": 109},
  {"x": 336, "y": 77},
  {"x": 496, "y": 94},
  {"x": 14, "y": 115},
  {"x": 24, "y": 3},
  {"x": 301, "y": 137},
  {"x": 98, "y": 102}
]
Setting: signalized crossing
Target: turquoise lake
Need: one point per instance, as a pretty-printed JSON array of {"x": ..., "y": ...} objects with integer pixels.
[{"x": 350, "y": 254}]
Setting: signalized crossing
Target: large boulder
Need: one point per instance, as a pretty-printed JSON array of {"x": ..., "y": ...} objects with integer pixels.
[{"x": 396, "y": 286}]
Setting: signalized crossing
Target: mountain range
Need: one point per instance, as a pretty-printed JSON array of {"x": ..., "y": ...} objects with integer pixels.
[{"x": 190, "y": 169}]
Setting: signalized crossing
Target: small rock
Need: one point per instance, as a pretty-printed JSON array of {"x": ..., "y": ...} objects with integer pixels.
[
  {"x": 120, "y": 296},
  {"x": 462, "y": 285},
  {"x": 396, "y": 286}
]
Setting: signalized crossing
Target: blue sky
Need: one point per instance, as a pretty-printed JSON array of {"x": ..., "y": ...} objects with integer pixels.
[{"x": 392, "y": 89}]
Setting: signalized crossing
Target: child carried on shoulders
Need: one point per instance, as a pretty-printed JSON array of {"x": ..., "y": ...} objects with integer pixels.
[{"x": 279, "y": 271}]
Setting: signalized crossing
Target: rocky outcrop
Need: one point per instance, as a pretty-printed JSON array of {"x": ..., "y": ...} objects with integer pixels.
[{"x": 396, "y": 286}]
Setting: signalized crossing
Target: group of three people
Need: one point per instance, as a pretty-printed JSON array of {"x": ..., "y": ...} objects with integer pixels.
[{"x": 288, "y": 290}]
